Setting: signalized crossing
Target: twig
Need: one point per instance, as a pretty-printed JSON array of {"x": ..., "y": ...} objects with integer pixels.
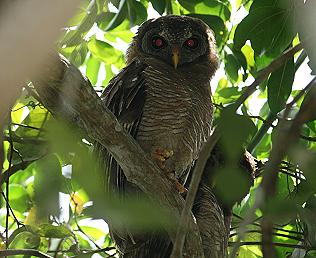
[
  {"x": 261, "y": 132},
  {"x": 29, "y": 252},
  {"x": 283, "y": 141},
  {"x": 275, "y": 64},
  {"x": 274, "y": 233},
  {"x": 189, "y": 200},
  {"x": 7, "y": 179},
  {"x": 28, "y": 140},
  {"x": 15, "y": 218},
  {"x": 308, "y": 138},
  {"x": 101, "y": 250},
  {"x": 28, "y": 126},
  {"x": 271, "y": 116},
  {"x": 15, "y": 168},
  {"x": 274, "y": 244}
]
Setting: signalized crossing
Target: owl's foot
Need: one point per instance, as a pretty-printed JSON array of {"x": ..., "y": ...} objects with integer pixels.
[
  {"x": 180, "y": 188},
  {"x": 161, "y": 155}
]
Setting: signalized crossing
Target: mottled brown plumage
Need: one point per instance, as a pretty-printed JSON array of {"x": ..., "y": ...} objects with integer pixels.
[{"x": 163, "y": 98}]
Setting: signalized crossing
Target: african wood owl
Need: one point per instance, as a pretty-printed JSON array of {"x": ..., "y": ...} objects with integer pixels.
[{"x": 163, "y": 99}]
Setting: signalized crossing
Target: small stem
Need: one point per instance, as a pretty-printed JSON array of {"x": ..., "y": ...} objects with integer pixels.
[{"x": 261, "y": 133}]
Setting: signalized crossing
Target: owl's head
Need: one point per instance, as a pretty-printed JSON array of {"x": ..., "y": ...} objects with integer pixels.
[{"x": 179, "y": 41}]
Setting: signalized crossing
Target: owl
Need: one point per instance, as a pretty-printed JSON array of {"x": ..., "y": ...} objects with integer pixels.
[{"x": 163, "y": 99}]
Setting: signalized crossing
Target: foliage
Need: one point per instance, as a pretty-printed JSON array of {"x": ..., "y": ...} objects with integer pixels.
[{"x": 50, "y": 167}]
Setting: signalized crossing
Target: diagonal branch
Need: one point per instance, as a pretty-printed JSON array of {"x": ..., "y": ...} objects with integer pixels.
[
  {"x": 28, "y": 252},
  {"x": 69, "y": 95},
  {"x": 285, "y": 138}
]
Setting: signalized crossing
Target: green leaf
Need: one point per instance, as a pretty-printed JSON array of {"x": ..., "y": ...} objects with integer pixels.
[
  {"x": 47, "y": 183},
  {"x": 249, "y": 55},
  {"x": 187, "y": 4},
  {"x": 89, "y": 20},
  {"x": 78, "y": 56},
  {"x": 50, "y": 231},
  {"x": 104, "y": 51},
  {"x": 104, "y": 19},
  {"x": 269, "y": 29},
  {"x": 218, "y": 8},
  {"x": 235, "y": 137},
  {"x": 280, "y": 86},
  {"x": 227, "y": 95},
  {"x": 268, "y": 3},
  {"x": 215, "y": 23},
  {"x": 118, "y": 17},
  {"x": 108, "y": 75},
  {"x": 232, "y": 67},
  {"x": 74, "y": 37},
  {"x": 93, "y": 66},
  {"x": 238, "y": 184},
  {"x": 94, "y": 233},
  {"x": 159, "y": 5},
  {"x": 19, "y": 198},
  {"x": 125, "y": 35},
  {"x": 25, "y": 240},
  {"x": 137, "y": 12}
]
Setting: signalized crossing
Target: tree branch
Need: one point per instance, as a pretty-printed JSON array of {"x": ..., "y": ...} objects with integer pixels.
[
  {"x": 68, "y": 95},
  {"x": 263, "y": 74},
  {"x": 286, "y": 137},
  {"x": 189, "y": 200},
  {"x": 31, "y": 252}
]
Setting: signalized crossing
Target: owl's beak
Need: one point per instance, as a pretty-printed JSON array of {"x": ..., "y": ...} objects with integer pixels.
[{"x": 175, "y": 57}]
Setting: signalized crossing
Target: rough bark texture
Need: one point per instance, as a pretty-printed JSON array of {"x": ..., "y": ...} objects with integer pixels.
[{"x": 67, "y": 94}]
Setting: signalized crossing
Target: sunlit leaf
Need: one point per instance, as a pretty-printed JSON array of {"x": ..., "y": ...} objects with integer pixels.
[
  {"x": 269, "y": 30},
  {"x": 103, "y": 51},
  {"x": 19, "y": 198},
  {"x": 93, "y": 66},
  {"x": 25, "y": 240},
  {"x": 51, "y": 231}
]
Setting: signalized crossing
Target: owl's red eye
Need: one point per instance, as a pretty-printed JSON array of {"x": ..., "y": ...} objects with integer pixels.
[
  {"x": 191, "y": 43},
  {"x": 158, "y": 42}
]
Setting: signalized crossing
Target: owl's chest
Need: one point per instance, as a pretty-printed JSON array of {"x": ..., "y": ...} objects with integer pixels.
[{"x": 176, "y": 116}]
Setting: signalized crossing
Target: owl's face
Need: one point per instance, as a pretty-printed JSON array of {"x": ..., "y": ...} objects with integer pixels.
[{"x": 176, "y": 40}]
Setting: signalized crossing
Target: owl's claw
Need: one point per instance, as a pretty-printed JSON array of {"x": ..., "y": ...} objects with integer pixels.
[
  {"x": 163, "y": 154},
  {"x": 181, "y": 189}
]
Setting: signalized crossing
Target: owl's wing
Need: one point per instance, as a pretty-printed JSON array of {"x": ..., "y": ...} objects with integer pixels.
[{"x": 124, "y": 97}]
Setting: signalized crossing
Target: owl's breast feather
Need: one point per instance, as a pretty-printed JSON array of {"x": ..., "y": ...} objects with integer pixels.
[{"x": 176, "y": 116}]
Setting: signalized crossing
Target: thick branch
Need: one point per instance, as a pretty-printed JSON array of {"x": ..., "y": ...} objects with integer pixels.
[{"x": 67, "y": 94}]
